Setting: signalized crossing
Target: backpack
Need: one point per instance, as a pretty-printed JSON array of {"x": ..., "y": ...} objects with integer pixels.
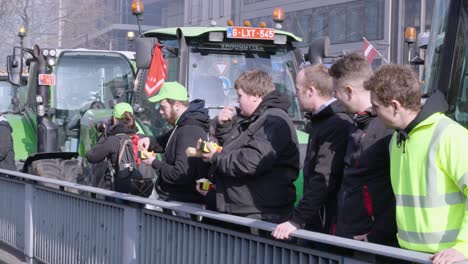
[{"x": 133, "y": 176}]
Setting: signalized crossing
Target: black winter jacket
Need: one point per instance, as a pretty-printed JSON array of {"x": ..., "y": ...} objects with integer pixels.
[
  {"x": 177, "y": 172},
  {"x": 259, "y": 162},
  {"x": 109, "y": 147},
  {"x": 7, "y": 153},
  {"x": 323, "y": 168},
  {"x": 366, "y": 203}
]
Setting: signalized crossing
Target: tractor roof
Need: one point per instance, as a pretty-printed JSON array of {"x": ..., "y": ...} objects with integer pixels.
[{"x": 199, "y": 31}]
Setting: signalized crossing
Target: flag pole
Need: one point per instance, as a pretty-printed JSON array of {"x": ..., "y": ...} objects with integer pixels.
[{"x": 383, "y": 58}]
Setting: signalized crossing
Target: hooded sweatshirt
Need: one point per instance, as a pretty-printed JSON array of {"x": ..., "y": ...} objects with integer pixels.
[
  {"x": 434, "y": 103},
  {"x": 109, "y": 147},
  {"x": 177, "y": 172},
  {"x": 259, "y": 162},
  {"x": 7, "y": 153}
]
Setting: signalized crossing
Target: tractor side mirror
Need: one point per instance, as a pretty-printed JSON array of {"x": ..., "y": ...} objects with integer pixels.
[
  {"x": 318, "y": 50},
  {"x": 144, "y": 51},
  {"x": 14, "y": 68},
  {"x": 422, "y": 42}
]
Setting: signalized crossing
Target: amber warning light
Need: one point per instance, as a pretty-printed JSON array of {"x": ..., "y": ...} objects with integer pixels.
[
  {"x": 278, "y": 15},
  {"x": 137, "y": 7},
  {"x": 250, "y": 33},
  {"x": 410, "y": 34}
]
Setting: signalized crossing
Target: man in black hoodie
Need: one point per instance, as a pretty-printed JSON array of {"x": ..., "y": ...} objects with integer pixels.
[
  {"x": 323, "y": 166},
  {"x": 260, "y": 158},
  {"x": 7, "y": 153},
  {"x": 177, "y": 172},
  {"x": 366, "y": 204}
]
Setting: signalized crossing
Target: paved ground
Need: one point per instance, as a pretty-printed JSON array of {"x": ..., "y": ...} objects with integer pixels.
[{"x": 8, "y": 257}]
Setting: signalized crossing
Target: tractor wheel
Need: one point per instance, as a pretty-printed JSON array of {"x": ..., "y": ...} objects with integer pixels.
[{"x": 58, "y": 169}]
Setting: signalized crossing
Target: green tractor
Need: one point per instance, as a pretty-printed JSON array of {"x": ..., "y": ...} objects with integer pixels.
[
  {"x": 63, "y": 89},
  {"x": 208, "y": 60}
]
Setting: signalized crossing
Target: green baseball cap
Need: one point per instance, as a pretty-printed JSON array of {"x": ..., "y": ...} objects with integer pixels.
[
  {"x": 171, "y": 90},
  {"x": 120, "y": 109}
]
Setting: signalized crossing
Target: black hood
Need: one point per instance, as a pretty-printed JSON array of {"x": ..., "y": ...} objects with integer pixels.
[
  {"x": 362, "y": 119},
  {"x": 273, "y": 99},
  {"x": 435, "y": 103},
  {"x": 196, "y": 114},
  {"x": 120, "y": 128},
  {"x": 333, "y": 108}
]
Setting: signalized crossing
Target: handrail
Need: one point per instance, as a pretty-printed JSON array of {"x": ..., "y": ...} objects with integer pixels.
[{"x": 366, "y": 247}]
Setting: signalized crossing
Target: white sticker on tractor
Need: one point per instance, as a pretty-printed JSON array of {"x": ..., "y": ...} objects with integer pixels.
[{"x": 221, "y": 68}]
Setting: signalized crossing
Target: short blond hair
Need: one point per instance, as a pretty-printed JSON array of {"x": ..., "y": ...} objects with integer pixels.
[
  {"x": 317, "y": 75},
  {"x": 255, "y": 82}
]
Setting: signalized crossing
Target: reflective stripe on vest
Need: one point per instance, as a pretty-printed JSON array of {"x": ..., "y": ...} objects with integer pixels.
[
  {"x": 462, "y": 183},
  {"x": 428, "y": 237},
  {"x": 433, "y": 199}
]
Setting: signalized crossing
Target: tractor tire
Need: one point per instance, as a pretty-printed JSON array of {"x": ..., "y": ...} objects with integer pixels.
[{"x": 59, "y": 169}]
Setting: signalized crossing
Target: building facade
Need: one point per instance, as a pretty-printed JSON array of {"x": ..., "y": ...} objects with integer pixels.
[{"x": 346, "y": 22}]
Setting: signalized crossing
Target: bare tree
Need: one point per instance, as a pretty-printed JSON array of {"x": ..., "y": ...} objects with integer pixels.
[{"x": 52, "y": 23}]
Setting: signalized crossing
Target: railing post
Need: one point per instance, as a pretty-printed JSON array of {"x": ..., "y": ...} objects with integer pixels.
[
  {"x": 130, "y": 235},
  {"x": 28, "y": 223}
]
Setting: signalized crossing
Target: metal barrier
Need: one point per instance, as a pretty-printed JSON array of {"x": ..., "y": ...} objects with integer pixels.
[{"x": 48, "y": 224}]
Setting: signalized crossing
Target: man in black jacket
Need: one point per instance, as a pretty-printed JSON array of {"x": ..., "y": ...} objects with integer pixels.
[
  {"x": 366, "y": 203},
  {"x": 323, "y": 166},
  {"x": 177, "y": 172},
  {"x": 7, "y": 153},
  {"x": 260, "y": 158}
]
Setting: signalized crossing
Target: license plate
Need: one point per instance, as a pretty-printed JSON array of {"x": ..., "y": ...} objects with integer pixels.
[
  {"x": 251, "y": 33},
  {"x": 46, "y": 79}
]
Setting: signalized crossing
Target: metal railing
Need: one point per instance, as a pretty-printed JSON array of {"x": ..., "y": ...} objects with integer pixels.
[{"x": 45, "y": 223}]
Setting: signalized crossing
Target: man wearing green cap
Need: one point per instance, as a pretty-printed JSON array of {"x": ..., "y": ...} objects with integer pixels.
[{"x": 177, "y": 172}]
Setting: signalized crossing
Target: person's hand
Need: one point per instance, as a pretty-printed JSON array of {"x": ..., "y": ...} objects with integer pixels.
[
  {"x": 226, "y": 114},
  {"x": 447, "y": 256},
  {"x": 143, "y": 143},
  {"x": 208, "y": 156},
  {"x": 149, "y": 160},
  {"x": 283, "y": 230},
  {"x": 202, "y": 192},
  {"x": 361, "y": 238}
]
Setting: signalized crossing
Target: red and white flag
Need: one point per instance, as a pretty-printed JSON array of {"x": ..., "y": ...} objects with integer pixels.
[
  {"x": 369, "y": 51},
  {"x": 157, "y": 72}
]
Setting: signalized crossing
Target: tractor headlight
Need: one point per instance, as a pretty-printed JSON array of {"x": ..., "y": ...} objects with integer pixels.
[
  {"x": 280, "y": 39},
  {"x": 51, "y": 62}
]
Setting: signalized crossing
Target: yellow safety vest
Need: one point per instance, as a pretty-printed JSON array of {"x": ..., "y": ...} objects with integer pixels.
[{"x": 429, "y": 175}]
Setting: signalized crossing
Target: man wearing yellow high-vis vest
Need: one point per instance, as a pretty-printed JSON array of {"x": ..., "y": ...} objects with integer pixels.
[{"x": 429, "y": 170}]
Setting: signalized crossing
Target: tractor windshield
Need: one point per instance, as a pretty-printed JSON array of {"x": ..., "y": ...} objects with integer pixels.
[
  {"x": 444, "y": 63},
  {"x": 85, "y": 77},
  {"x": 437, "y": 36},
  {"x": 213, "y": 71},
  {"x": 5, "y": 95}
]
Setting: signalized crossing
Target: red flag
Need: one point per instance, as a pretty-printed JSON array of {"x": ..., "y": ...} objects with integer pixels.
[
  {"x": 157, "y": 72},
  {"x": 369, "y": 51}
]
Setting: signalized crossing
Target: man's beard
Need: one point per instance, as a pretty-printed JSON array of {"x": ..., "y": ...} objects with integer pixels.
[{"x": 172, "y": 117}]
